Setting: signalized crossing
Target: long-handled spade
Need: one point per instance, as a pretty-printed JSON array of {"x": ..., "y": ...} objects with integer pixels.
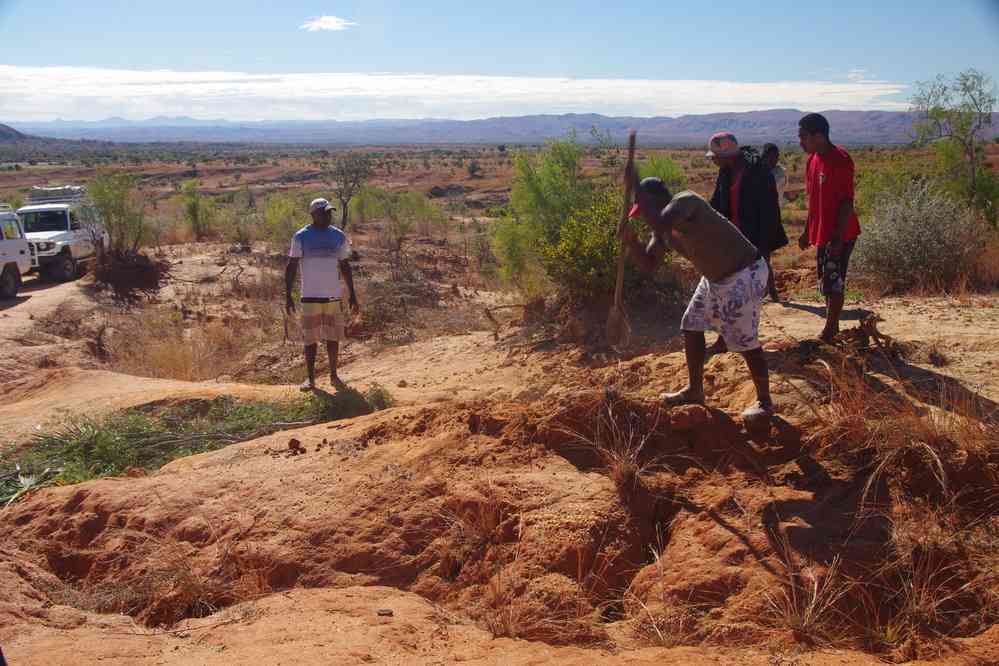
[{"x": 618, "y": 327}]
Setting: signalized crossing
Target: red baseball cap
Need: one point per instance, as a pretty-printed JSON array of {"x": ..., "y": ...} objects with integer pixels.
[{"x": 635, "y": 211}]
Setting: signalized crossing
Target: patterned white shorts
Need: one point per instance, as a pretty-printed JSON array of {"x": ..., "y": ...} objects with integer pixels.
[{"x": 731, "y": 307}]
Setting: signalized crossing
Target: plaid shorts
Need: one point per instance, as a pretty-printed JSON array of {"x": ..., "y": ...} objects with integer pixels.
[
  {"x": 832, "y": 270},
  {"x": 323, "y": 321}
]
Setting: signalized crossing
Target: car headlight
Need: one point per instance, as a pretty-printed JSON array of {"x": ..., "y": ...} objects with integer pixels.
[{"x": 46, "y": 246}]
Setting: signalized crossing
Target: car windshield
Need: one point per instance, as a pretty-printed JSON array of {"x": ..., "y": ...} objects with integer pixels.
[{"x": 44, "y": 220}]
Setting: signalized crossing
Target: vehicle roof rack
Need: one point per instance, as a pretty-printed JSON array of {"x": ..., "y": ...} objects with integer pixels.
[
  {"x": 5, "y": 208},
  {"x": 67, "y": 194}
]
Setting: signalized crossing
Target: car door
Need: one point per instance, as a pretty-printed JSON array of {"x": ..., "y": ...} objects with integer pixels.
[
  {"x": 5, "y": 247},
  {"x": 13, "y": 247}
]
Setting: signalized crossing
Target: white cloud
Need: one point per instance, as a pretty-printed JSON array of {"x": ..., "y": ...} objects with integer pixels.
[
  {"x": 80, "y": 93},
  {"x": 326, "y": 23},
  {"x": 857, "y": 74}
]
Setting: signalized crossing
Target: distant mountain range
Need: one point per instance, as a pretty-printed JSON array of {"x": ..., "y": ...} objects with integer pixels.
[
  {"x": 8, "y": 134},
  {"x": 779, "y": 126}
]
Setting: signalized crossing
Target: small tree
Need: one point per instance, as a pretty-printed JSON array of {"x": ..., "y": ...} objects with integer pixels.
[
  {"x": 474, "y": 169},
  {"x": 114, "y": 197},
  {"x": 959, "y": 110},
  {"x": 346, "y": 175},
  {"x": 198, "y": 211}
]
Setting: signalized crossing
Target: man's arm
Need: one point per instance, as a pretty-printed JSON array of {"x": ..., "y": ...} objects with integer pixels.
[
  {"x": 290, "y": 271},
  {"x": 649, "y": 258},
  {"x": 348, "y": 277},
  {"x": 842, "y": 220}
]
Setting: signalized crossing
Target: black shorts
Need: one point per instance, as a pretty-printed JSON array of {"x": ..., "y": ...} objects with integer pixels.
[{"x": 832, "y": 270}]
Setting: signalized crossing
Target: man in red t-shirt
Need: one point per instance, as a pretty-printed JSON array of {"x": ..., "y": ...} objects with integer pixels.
[{"x": 832, "y": 225}]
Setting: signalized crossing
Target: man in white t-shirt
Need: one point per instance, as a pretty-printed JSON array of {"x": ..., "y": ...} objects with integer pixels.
[{"x": 323, "y": 251}]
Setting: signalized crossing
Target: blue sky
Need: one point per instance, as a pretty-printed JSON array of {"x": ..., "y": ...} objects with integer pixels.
[{"x": 459, "y": 59}]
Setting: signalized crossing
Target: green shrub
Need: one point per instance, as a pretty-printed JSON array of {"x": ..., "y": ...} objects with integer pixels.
[
  {"x": 874, "y": 183},
  {"x": 284, "y": 214},
  {"x": 662, "y": 167},
  {"x": 562, "y": 229},
  {"x": 199, "y": 211},
  {"x": 378, "y": 397},
  {"x": 116, "y": 198},
  {"x": 548, "y": 186},
  {"x": 584, "y": 261},
  {"x": 921, "y": 237},
  {"x": 516, "y": 246}
]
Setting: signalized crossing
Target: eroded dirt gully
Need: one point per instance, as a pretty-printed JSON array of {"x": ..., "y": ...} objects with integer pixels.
[
  {"x": 467, "y": 520},
  {"x": 479, "y": 509}
]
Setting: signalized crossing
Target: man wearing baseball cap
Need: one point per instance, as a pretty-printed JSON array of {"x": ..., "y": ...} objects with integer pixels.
[
  {"x": 729, "y": 295},
  {"x": 323, "y": 252},
  {"x": 746, "y": 193}
]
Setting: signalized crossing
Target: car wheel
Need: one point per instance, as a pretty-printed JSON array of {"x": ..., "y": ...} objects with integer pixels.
[
  {"x": 10, "y": 282},
  {"x": 64, "y": 269}
]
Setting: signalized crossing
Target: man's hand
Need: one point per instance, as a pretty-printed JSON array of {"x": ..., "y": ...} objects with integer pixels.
[
  {"x": 803, "y": 239},
  {"x": 355, "y": 307},
  {"x": 289, "y": 304},
  {"x": 834, "y": 248}
]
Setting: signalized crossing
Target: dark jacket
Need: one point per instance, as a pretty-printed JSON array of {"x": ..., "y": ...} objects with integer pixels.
[{"x": 759, "y": 210}]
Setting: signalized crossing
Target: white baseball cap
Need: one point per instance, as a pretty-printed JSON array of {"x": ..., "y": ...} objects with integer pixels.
[{"x": 320, "y": 204}]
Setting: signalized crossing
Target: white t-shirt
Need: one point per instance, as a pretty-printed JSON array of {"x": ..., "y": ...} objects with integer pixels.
[
  {"x": 320, "y": 251},
  {"x": 780, "y": 177}
]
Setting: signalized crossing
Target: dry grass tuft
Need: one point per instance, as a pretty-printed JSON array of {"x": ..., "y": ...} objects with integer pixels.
[
  {"x": 516, "y": 606},
  {"x": 621, "y": 433},
  {"x": 173, "y": 587},
  {"x": 472, "y": 527},
  {"x": 910, "y": 448},
  {"x": 807, "y": 602},
  {"x": 931, "y": 472}
]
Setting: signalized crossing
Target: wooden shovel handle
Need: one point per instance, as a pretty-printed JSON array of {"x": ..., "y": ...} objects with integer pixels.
[{"x": 629, "y": 183}]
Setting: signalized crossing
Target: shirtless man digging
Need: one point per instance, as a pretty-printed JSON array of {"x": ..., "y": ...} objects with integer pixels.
[
  {"x": 322, "y": 250},
  {"x": 729, "y": 295}
]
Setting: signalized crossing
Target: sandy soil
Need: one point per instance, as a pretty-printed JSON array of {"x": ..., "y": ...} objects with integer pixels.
[{"x": 301, "y": 556}]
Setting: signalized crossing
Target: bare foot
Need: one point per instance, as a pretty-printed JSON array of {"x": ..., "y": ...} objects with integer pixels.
[{"x": 684, "y": 397}]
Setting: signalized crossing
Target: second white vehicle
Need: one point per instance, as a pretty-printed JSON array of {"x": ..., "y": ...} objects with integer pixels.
[{"x": 63, "y": 229}]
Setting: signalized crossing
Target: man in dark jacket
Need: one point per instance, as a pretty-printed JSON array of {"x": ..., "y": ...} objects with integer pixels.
[{"x": 745, "y": 193}]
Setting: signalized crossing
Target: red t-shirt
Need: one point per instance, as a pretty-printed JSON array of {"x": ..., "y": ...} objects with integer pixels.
[
  {"x": 733, "y": 197},
  {"x": 829, "y": 182}
]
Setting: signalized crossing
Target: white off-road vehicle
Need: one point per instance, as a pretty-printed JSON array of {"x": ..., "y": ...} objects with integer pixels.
[
  {"x": 15, "y": 254},
  {"x": 64, "y": 230}
]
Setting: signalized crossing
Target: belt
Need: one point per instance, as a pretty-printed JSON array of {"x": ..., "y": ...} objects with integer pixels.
[{"x": 311, "y": 299}]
